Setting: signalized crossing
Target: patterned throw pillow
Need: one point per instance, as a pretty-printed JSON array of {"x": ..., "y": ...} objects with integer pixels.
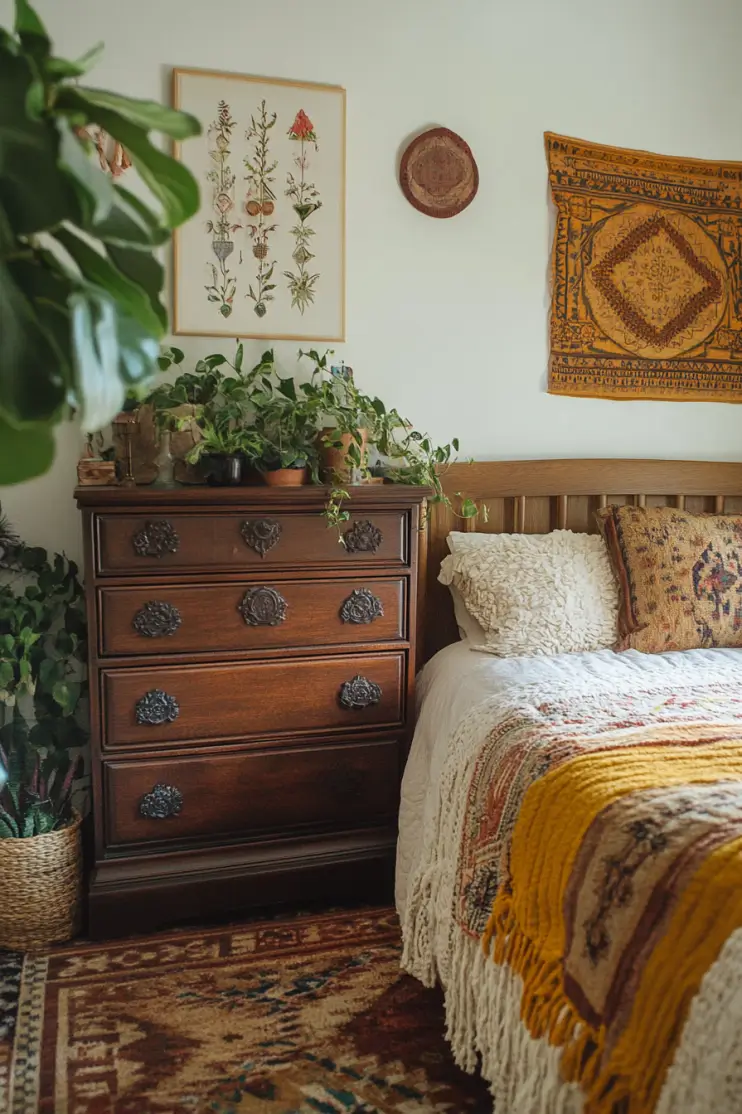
[
  {"x": 537, "y": 593},
  {"x": 679, "y": 576}
]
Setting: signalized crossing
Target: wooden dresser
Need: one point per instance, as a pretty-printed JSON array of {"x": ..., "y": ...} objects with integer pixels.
[{"x": 251, "y": 696}]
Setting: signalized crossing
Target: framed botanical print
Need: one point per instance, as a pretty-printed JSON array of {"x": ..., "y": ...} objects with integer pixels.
[{"x": 265, "y": 254}]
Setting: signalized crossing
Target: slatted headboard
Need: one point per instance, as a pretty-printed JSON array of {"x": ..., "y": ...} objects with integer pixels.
[{"x": 537, "y": 496}]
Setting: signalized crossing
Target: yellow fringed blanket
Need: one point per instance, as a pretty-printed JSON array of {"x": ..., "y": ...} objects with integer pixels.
[{"x": 601, "y": 860}]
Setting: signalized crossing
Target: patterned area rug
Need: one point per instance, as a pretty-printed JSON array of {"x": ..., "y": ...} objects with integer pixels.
[{"x": 304, "y": 1016}]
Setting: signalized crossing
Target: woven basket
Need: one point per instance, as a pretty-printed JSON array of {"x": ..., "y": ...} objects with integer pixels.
[{"x": 42, "y": 877}]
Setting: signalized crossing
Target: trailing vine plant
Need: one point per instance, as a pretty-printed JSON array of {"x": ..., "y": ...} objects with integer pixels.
[{"x": 406, "y": 455}]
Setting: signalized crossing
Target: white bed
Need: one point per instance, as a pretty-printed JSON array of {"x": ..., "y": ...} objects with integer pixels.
[
  {"x": 461, "y": 693},
  {"x": 459, "y": 679}
]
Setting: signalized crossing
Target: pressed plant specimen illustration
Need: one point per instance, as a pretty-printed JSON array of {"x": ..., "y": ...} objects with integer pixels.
[
  {"x": 260, "y": 205},
  {"x": 305, "y": 201},
  {"x": 223, "y": 285}
]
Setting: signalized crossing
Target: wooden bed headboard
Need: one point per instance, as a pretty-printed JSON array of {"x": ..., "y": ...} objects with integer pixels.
[{"x": 537, "y": 496}]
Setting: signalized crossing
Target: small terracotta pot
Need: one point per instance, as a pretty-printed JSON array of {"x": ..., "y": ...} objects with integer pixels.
[
  {"x": 286, "y": 477},
  {"x": 334, "y": 462}
]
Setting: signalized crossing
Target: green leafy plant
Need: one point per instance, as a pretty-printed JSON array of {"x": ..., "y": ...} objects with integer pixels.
[
  {"x": 406, "y": 456},
  {"x": 277, "y": 422},
  {"x": 282, "y": 431},
  {"x": 80, "y": 310},
  {"x": 35, "y": 790},
  {"x": 42, "y": 686}
]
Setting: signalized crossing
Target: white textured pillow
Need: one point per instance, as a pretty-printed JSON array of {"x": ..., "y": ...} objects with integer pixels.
[
  {"x": 468, "y": 626},
  {"x": 536, "y": 593}
]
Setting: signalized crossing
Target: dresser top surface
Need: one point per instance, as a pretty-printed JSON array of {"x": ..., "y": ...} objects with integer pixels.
[{"x": 309, "y": 496}]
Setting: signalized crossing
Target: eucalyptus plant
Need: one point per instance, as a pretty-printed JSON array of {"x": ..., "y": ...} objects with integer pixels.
[{"x": 81, "y": 315}]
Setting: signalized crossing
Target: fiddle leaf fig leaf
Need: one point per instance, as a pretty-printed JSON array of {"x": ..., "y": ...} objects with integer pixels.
[
  {"x": 95, "y": 189},
  {"x": 27, "y": 21},
  {"x": 147, "y": 115},
  {"x": 170, "y": 182},
  {"x": 80, "y": 308},
  {"x": 57, "y": 68},
  {"x": 28, "y": 394},
  {"x": 98, "y": 269}
]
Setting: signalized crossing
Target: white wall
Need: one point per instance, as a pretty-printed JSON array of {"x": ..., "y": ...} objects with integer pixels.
[{"x": 447, "y": 319}]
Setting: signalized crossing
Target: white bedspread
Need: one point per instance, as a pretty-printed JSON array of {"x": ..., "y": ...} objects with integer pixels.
[
  {"x": 707, "y": 1071},
  {"x": 458, "y": 678}
]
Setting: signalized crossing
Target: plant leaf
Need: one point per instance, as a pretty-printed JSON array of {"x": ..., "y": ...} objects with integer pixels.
[
  {"x": 171, "y": 183},
  {"x": 146, "y": 273},
  {"x": 89, "y": 180},
  {"x": 130, "y": 223},
  {"x": 100, "y": 391},
  {"x": 57, "y": 68},
  {"x": 33, "y": 195},
  {"x": 27, "y": 21},
  {"x": 146, "y": 115},
  {"x": 28, "y": 393},
  {"x": 98, "y": 270}
]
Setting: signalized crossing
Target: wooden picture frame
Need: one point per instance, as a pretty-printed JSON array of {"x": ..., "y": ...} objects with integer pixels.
[{"x": 265, "y": 255}]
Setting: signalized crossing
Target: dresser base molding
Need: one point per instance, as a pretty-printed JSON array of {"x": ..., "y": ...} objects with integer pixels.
[{"x": 129, "y": 896}]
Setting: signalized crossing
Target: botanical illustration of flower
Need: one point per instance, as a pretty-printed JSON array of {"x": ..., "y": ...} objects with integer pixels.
[
  {"x": 261, "y": 203},
  {"x": 306, "y": 201},
  {"x": 223, "y": 285}
]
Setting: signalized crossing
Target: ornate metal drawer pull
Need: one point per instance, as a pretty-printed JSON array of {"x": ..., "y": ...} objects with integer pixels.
[
  {"x": 261, "y": 534},
  {"x": 359, "y": 693},
  {"x": 263, "y": 607},
  {"x": 156, "y": 619},
  {"x": 361, "y": 606},
  {"x": 362, "y": 537},
  {"x": 155, "y": 539},
  {"x": 155, "y": 708},
  {"x": 163, "y": 801}
]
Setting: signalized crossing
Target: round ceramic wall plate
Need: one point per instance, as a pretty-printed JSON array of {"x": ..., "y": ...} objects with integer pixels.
[{"x": 438, "y": 173}]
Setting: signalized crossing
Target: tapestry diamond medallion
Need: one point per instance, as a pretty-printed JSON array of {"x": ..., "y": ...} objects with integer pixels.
[{"x": 646, "y": 297}]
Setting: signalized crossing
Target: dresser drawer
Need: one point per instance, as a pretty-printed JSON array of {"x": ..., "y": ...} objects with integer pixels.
[
  {"x": 161, "y": 543},
  {"x": 142, "y": 707},
  {"x": 221, "y": 795},
  {"x": 251, "y": 616}
]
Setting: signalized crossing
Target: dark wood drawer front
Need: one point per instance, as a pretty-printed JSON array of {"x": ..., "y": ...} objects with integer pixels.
[
  {"x": 165, "y": 542},
  {"x": 199, "y": 703},
  {"x": 184, "y": 798},
  {"x": 263, "y": 615}
]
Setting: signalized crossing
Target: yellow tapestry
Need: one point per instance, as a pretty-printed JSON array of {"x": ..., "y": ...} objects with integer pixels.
[{"x": 646, "y": 275}]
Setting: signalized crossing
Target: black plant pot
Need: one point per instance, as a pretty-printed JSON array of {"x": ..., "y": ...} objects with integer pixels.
[{"x": 223, "y": 470}]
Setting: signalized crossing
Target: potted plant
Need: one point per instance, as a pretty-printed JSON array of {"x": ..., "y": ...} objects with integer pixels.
[
  {"x": 42, "y": 656},
  {"x": 334, "y": 397},
  {"x": 80, "y": 274},
  {"x": 211, "y": 402},
  {"x": 221, "y": 450},
  {"x": 283, "y": 435},
  {"x": 359, "y": 422}
]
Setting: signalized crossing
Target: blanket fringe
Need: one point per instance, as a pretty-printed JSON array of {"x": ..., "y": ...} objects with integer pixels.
[
  {"x": 483, "y": 1012},
  {"x": 545, "y": 1009}
]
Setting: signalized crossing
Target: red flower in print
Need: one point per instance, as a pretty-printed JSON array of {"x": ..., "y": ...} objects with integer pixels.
[{"x": 302, "y": 127}]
